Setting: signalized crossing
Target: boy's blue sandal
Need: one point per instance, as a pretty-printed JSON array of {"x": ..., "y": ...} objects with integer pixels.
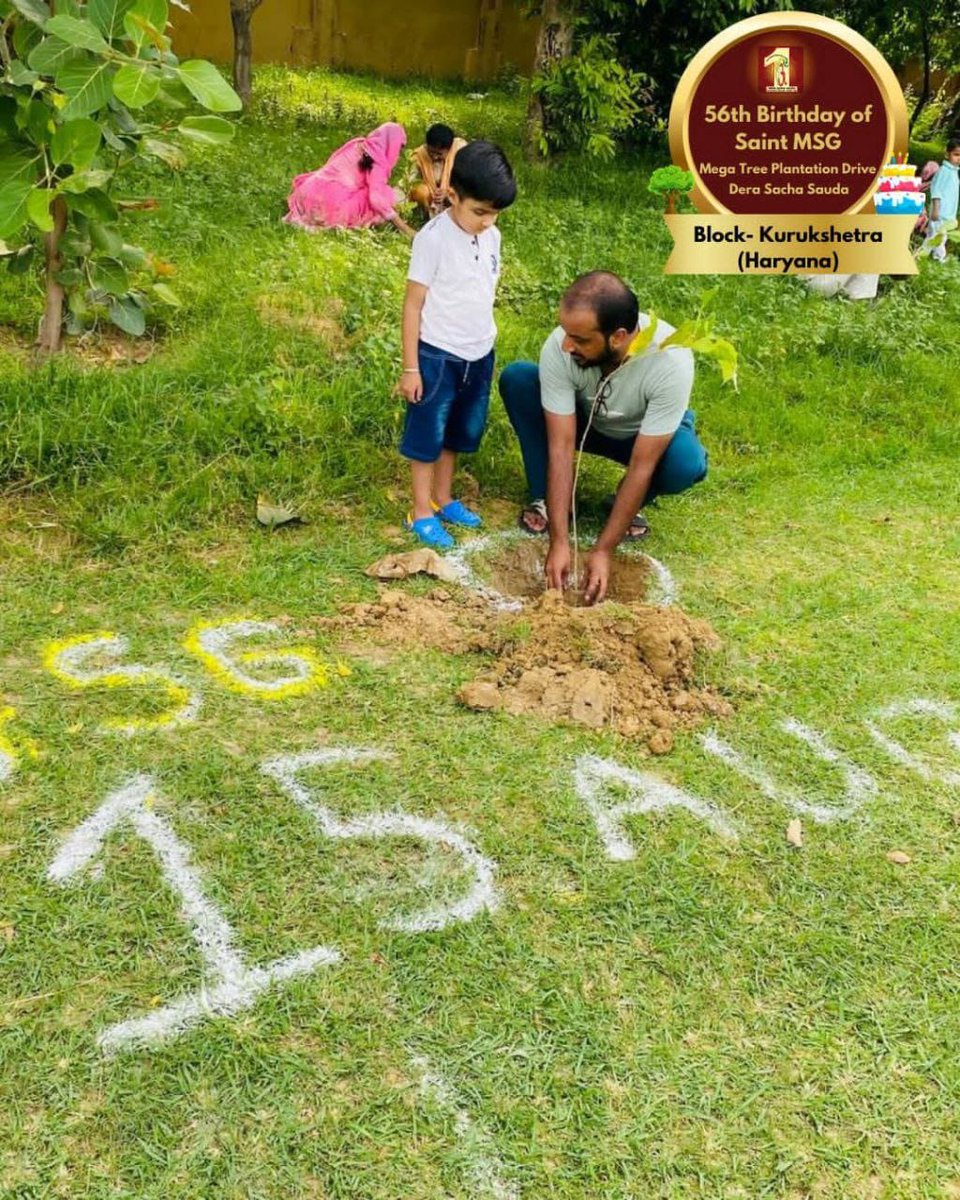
[
  {"x": 457, "y": 513},
  {"x": 429, "y": 531}
]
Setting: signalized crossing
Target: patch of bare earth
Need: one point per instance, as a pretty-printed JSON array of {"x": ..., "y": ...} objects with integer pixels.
[
  {"x": 293, "y": 311},
  {"x": 623, "y": 666}
]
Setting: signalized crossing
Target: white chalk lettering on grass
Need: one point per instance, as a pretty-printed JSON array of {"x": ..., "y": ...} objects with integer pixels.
[
  {"x": 214, "y": 644},
  {"x": 482, "y": 1163},
  {"x": 665, "y": 592},
  {"x": 230, "y": 985},
  {"x": 858, "y": 784},
  {"x": 67, "y": 661},
  {"x": 940, "y": 711},
  {"x": 597, "y": 782},
  {"x": 286, "y": 770}
]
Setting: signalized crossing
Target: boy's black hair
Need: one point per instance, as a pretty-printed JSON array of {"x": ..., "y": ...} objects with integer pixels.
[
  {"x": 481, "y": 172},
  {"x": 440, "y": 137},
  {"x": 953, "y": 144},
  {"x": 613, "y": 304}
]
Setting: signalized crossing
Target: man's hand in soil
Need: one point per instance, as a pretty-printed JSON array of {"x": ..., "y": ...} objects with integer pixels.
[
  {"x": 557, "y": 567},
  {"x": 596, "y": 575},
  {"x": 410, "y": 387}
]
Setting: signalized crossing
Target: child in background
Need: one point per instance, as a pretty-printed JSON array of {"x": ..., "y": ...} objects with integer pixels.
[
  {"x": 432, "y": 164},
  {"x": 944, "y": 194},
  {"x": 448, "y": 337}
]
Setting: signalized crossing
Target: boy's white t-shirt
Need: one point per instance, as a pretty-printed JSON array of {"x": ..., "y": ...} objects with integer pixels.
[{"x": 460, "y": 272}]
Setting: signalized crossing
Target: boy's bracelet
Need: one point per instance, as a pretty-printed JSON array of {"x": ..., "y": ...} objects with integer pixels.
[{"x": 410, "y": 371}]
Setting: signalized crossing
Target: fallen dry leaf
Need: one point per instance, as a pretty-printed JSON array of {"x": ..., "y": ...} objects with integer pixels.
[
  {"x": 412, "y": 562},
  {"x": 272, "y": 515},
  {"x": 795, "y": 833},
  {"x": 899, "y": 858},
  {"x": 8, "y": 931},
  {"x": 57, "y": 608}
]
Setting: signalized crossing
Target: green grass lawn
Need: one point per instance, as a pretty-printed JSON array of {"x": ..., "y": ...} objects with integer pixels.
[{"x": 712, "y": 1018}]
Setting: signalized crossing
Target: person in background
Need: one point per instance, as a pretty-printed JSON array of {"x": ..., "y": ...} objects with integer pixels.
[
  {"x": 448, "y": 335},
  {"x": 352, "y": 188},
  {"x": 432, "y": 163},
  {"x": 944, "y": 195}
]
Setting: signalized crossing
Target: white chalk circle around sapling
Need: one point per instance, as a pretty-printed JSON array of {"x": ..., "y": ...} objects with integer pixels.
[{"x": 662, "y": 589}]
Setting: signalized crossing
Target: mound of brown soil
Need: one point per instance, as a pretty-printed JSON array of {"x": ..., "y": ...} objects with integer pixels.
[{"x": 629, "y": 667}]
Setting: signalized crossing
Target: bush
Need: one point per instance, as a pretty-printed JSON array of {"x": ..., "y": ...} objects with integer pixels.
[{"x": 590, "y": 98}]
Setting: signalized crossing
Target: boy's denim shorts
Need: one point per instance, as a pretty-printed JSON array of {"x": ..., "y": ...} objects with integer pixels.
[{"x": 452, "y": 413}]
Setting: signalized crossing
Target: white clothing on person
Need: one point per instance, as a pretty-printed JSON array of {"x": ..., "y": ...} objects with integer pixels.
[{"x": 460, "y": 272}]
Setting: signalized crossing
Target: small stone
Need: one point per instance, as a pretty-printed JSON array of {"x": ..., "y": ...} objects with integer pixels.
[{"x": 899, "y": 858}]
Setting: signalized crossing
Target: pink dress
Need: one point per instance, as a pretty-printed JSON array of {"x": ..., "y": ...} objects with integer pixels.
[{"x": 340, "y": 193}]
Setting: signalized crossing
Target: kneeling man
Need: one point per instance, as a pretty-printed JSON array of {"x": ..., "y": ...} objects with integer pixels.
[{"x": 639, "y": 412}]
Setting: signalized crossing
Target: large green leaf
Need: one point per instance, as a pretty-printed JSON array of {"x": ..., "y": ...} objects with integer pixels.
[
  {"x": 213, "y": 131},
  {"x": 109, "y": 275},
  {"x": 106, "y": 240},
  {"x": 166, "y": 295},
  {"x": 127, "y": 315},
  {"x": 136, "y": 86},
  {"x": 39, "y": 123},
  {"x": 209, "y": 86},
  {"x": 75, "y": 142},
  {"x": 79, "y": 33},
  {"x": 85, "y": 181},
  {"x": 108, "y": 15},
  {"x": 52, "y": 54},
  {"x": 38, "y": 208},
  {"x": 146, "y": 21},
  {"x": 20, "y": 74},
  {"x": 94, "y": 204},
  {"x": 25, "y": 36},
  {"x": 87, "y": 84},
  {"x": 18, "y": 170},
  {"x": 34, "y": 10}
]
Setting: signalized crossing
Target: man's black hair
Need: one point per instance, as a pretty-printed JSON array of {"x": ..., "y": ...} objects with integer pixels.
[
  {"x": 481, "y": 172},
  {"x": 609, "y": 299},
  {"x": 440, "y": 137}
]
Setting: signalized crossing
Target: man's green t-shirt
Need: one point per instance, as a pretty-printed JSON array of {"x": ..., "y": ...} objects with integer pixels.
[{"x": 647, "y": 394}]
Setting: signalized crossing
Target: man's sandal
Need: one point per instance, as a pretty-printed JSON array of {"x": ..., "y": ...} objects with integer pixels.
[
  {"x": 637, "y": 530},
  {"x": 429, "y": 531},
  {"x": 537, "y": 509}
]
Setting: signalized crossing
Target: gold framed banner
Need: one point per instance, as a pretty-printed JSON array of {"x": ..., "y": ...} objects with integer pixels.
[{"x": 795, "y": 126}]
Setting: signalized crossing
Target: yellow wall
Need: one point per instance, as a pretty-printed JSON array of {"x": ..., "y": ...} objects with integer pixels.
[{"x": 470, "y": 39}]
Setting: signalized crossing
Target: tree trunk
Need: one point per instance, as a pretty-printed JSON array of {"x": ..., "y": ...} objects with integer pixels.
[
  {"x": 49, "y": 340},
  {"x": 554, "y": 42},
  {"x": 241, "y": 13},
  {"x": 671, "y": 205},
  {"x": 925, "y": 94}
]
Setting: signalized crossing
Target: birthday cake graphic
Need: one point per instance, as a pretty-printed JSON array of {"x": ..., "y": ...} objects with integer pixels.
[{"x": 898, "y": 192}]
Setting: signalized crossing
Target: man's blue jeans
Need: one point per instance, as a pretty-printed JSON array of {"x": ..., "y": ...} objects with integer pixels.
[{"x": 683, "y": 464}]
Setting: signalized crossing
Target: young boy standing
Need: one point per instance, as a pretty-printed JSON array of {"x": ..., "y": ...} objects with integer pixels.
[
  {"x": 448, "y": 337},
  {"x": 944, "y": 194}
]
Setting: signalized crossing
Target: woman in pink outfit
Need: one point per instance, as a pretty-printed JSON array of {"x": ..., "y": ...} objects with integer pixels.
[{"x": 352, "y": 188}]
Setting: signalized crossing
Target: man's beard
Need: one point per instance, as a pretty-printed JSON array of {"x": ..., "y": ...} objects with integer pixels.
[{"x": 605, "y": 361}]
